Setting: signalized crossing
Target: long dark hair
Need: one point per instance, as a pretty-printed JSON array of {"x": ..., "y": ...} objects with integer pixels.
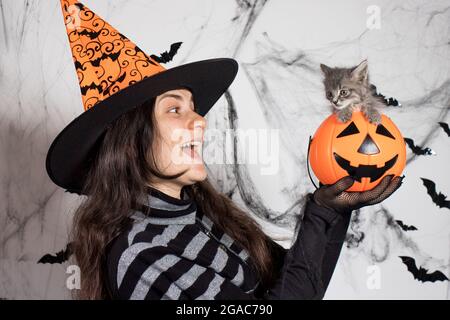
[{"x": 116, "y": 183}]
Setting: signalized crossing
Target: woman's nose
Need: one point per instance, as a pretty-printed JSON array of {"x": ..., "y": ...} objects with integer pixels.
[{"x": 197, "y": 122}]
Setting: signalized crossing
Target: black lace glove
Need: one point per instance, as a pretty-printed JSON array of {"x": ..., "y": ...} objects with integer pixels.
[{"x": 336, "y": 198}]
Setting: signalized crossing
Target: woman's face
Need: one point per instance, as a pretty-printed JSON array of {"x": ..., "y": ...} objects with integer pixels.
[{"x": 179, "y": 137}]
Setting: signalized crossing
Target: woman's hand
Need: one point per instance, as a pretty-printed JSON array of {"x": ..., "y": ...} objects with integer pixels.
[{"x": 336, "y": 198}]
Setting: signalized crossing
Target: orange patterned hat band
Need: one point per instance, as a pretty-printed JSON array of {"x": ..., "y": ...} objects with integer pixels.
[{"x": 105, "y": 60}]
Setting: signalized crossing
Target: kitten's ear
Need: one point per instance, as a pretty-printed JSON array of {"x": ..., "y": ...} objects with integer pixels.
[
  {"x": 325, "y": 69},
  {"x": 361, "y": 72}
]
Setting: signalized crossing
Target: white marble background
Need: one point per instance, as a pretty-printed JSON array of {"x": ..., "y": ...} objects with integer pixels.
[{"x": 279, "y": 45}]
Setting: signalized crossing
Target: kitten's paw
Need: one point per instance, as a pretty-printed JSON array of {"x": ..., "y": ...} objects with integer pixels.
[
  {"x": 344, "y": 116},
  {"x": 373, "y": 116}
]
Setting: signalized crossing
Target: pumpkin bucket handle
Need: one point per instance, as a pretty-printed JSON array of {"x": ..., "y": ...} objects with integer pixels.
[{"x": 307, "y": 163}]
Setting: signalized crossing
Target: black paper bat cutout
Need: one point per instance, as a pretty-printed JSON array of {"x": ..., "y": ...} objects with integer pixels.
[
  {"x": 438, "y": 198},
  {"x": 445, "y": 127},
  {"x": 388, "y": 101},
  {"x": 405, "y": 227},
  {"x": 59, "y": 257},
  {"x": 167, "y": 56},
  {"x": 420, "y": 273},
  {"x": 417, "y": 150}
]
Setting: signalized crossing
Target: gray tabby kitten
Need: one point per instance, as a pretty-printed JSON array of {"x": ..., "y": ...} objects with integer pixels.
[{"x": 349, "y": 88}]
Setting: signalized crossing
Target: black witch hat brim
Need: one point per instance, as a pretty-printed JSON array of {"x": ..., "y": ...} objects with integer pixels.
[{"x": 71, "y": 153}]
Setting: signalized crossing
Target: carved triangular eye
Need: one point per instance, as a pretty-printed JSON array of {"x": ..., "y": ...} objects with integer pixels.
[
  {"x": 384, "y": 132},
  {"x": 351, "y": 129}
]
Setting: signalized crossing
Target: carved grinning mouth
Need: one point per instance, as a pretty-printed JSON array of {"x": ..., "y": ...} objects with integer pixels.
[{"x": 364, "y": 171}]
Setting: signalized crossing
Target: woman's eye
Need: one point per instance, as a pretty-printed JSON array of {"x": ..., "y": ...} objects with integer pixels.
[
  {"x": 172, "y": 109},
  {"x": 344, "y": 92}
]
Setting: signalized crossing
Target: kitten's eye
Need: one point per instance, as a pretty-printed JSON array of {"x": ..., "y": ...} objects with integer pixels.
[
  {"x": 344, "y": 92},
  {"x": 329, "y": 95}
]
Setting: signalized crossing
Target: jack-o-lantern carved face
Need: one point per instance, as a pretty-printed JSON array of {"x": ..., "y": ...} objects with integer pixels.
[{"x": 358, "y": 148}]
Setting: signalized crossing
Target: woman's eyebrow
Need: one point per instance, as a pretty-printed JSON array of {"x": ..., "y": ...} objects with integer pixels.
[{"x": 174, "y": 95}]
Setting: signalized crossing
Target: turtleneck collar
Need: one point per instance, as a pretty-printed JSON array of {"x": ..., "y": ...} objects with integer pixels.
[
  {"x": 162, "y": 208},
  {"x": 172, "y": 202}
]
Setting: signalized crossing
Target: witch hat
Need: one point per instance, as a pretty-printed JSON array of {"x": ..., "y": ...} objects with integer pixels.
[{"x": 116, "y": 76}]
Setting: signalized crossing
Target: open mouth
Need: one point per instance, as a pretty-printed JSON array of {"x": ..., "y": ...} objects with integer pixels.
[
  {"x": 193, "y": 149},
  {"x": 363, "y": 170}
]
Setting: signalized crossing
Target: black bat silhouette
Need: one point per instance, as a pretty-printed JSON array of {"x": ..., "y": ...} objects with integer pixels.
[
  {"x": 388, "y": 101},
  {"x": 59, "y": 257},
  {"x": 112, "y": 56},
  {"x": 438, "y": 198},
  {"x": 404, "y": 226},
  {"x": 420, "y": 273},
  {"x": 167, "y": 56},
  {"x": 417, "y": 149},
  {"x": 90, "y": 34},
  {"x": 445, "y": 127},
  {"x": 84, "y": 89}
]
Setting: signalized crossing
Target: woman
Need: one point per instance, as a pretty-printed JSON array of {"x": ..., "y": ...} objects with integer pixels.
[
  {"x": 186, "y": 240},
  {"x": 152, "y": 225}
]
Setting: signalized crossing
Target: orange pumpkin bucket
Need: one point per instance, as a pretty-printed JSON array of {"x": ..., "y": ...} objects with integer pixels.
[{"x": 366, "y": 151}]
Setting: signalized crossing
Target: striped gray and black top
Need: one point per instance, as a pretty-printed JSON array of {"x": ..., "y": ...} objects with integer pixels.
[{"x": 176, "y": 252}]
